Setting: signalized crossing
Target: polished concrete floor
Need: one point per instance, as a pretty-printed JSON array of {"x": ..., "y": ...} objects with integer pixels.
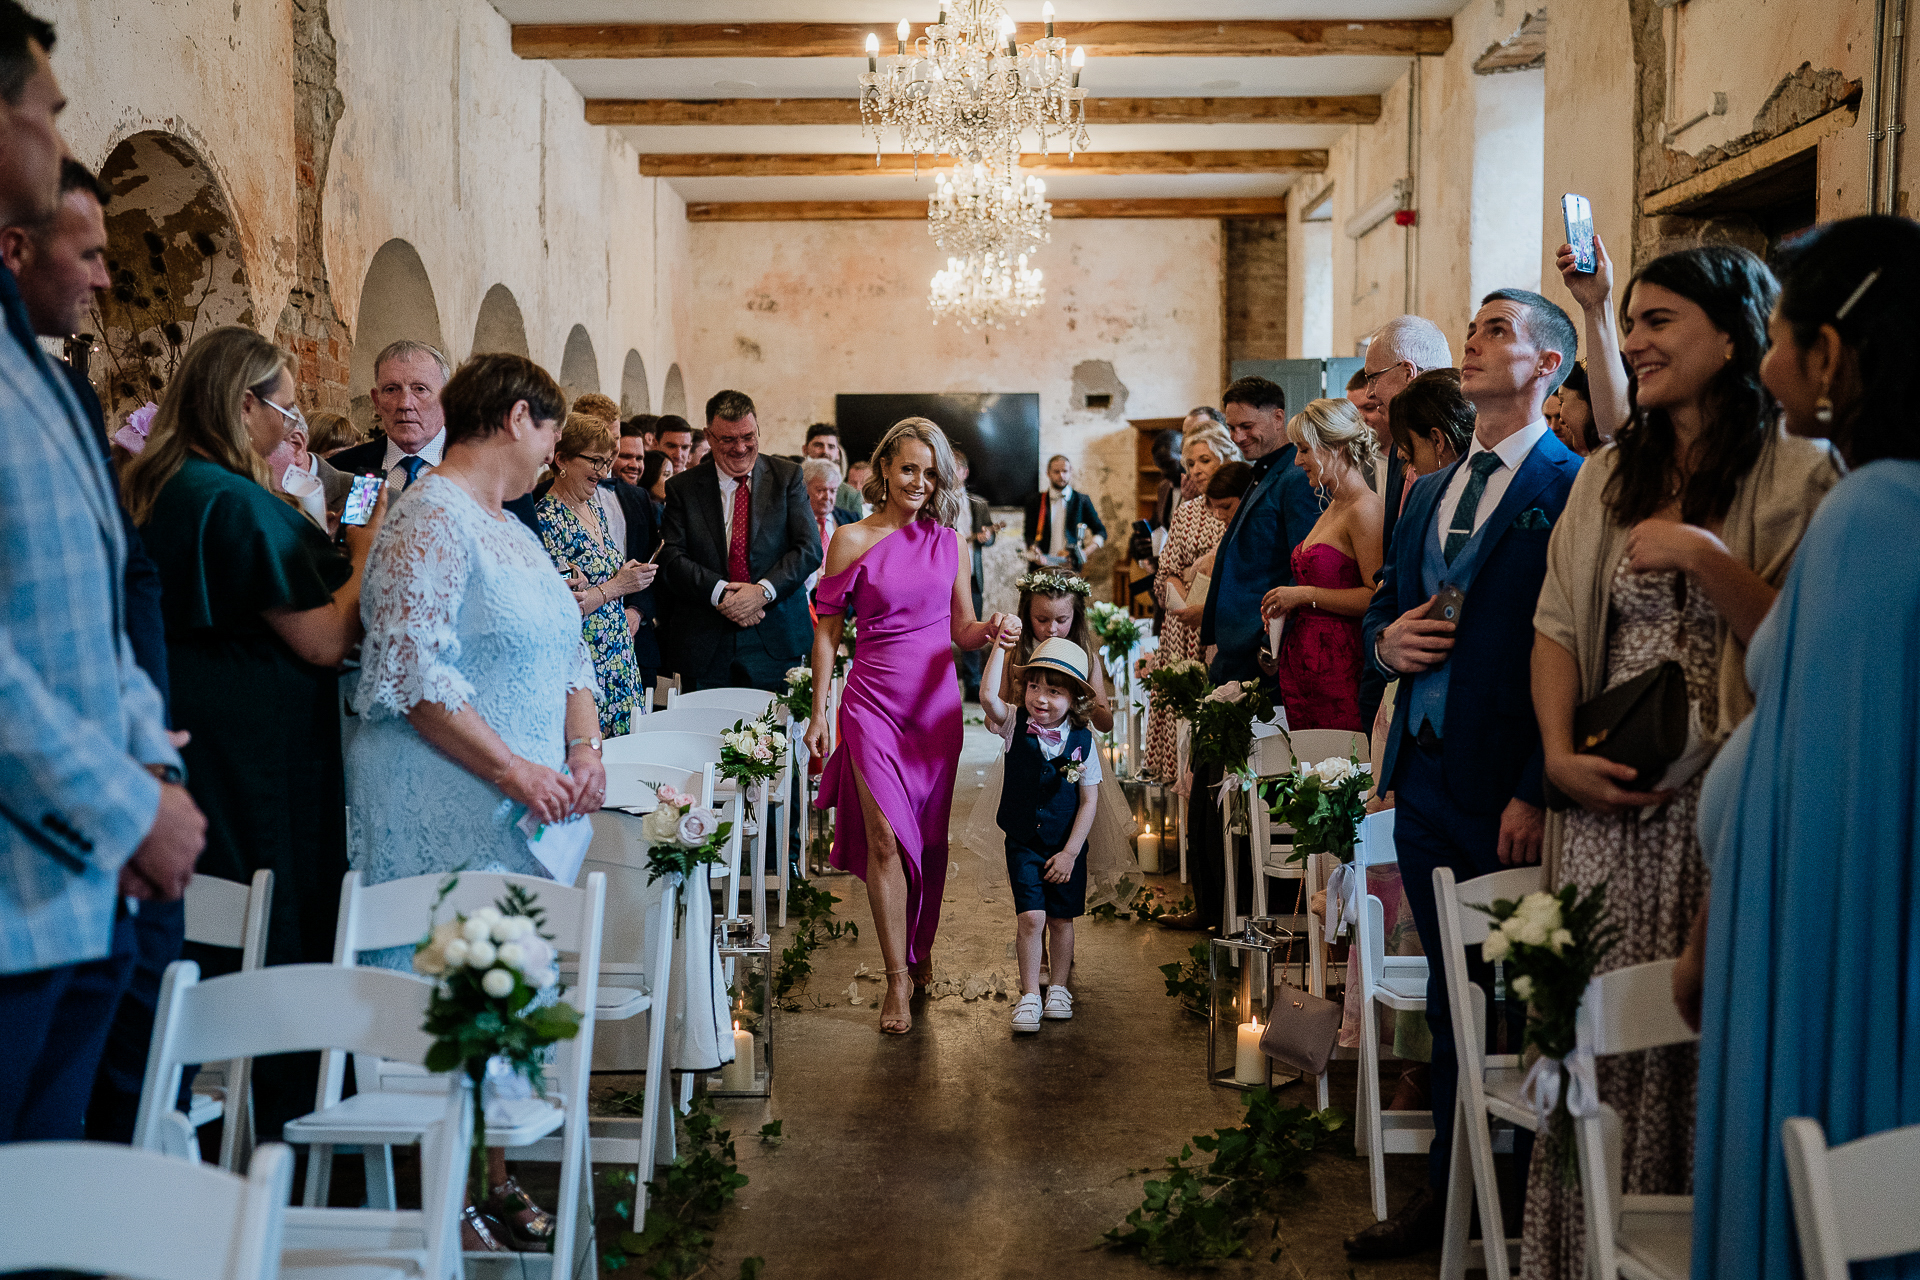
[{"x": 961, "y": 1151}]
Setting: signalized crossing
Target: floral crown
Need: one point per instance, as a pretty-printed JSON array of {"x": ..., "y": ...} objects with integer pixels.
[{"x": 1050, "y": 583}]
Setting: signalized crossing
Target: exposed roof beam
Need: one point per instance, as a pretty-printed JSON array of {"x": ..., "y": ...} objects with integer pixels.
[
  {"x": 1296, "y": 37},
  {"x": 906, "y": 210},
  {"x": 1087, "y": 162},
  {"x": 1358, "y": 109}
]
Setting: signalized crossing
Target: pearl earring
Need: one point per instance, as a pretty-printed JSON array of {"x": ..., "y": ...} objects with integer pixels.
[{"x": 1823, "y": 411}]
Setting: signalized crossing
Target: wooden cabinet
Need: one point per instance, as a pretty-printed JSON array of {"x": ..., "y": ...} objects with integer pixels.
[{"x": 1147, "y": 486}]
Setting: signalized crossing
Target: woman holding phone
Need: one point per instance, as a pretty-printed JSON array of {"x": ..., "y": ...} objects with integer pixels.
[{"x": 261, "y": 608}]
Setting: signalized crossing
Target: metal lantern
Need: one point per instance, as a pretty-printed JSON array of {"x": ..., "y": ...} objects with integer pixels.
[
  {"x": 1243, "y": 975},
  {"x": 749, "y": 972}
]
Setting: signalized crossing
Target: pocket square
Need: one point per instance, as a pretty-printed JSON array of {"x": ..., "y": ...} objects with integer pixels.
[{"x": 1533, "y": 518}]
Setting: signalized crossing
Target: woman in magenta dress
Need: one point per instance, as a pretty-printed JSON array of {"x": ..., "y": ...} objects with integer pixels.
[
  {"x": 1334, "y": 568},
  {"x": 901, "y": 573}
]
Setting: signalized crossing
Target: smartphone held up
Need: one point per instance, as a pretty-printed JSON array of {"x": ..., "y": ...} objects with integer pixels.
[
  {"x": 361, "y": 497},
  {"x": 1578, "y": 213}
]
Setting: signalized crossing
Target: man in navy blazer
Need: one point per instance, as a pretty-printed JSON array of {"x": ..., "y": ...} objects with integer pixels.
[{"x": 1464, "y": 752}]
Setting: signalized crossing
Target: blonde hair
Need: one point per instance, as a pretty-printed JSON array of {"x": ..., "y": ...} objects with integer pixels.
[
  {"x": 200, "y": 413},
  {"x": 1335, "y": 426},
  {"x": 329, "y": 432},
  {"x": 1216, "y": 439},
  {"x": 947, "y": 502},
  {"x": 596, "y": 405}
]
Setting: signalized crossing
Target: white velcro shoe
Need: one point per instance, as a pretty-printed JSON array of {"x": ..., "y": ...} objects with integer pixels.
[
  {"x": 1026, "y": 1014},
  {"x": 1059, "y": 1004}
]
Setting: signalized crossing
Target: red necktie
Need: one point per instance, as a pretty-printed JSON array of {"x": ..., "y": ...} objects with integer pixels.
[
  {"x": 826, "y": 535},
  {"x": 737, "y": 540}
]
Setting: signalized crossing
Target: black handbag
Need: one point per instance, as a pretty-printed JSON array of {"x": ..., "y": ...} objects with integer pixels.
[{"x": 1642, "y": 723}]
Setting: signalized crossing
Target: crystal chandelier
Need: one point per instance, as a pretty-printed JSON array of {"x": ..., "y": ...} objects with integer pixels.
[
  {"x": 975, "y": 211},
  {"x": 984, "y": 290},
  {"x": 969, "y": 89}
]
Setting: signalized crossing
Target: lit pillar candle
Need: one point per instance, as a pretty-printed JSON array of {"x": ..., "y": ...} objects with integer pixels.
[
  {"x": 1249, "y": 1064},
  {"x": 737, "y": 1076},
  {"x": 1150, "y": 852},
  {"x": 873, "y": 52}
]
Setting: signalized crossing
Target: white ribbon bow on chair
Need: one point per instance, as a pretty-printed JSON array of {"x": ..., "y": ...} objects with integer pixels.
[
  {"x": 1343, "y": 900},
  {"x": 1541, "y": 1089}
]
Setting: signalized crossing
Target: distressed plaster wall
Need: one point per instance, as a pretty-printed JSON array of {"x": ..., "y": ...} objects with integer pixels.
[
  {"x": 794, "y": 313},
  {"x": 480, "y": 160}
]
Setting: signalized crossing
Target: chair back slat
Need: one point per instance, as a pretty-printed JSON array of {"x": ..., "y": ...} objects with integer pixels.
[
  {"x": 631, "y": 783},
  {"x": 223, "y": 913},
  {"x": 1868, "y": 1195},
  {"x": 1373, "y": 845},
  {"x": 401, "y": 912},
  {"x": 751, "y": 703},
  {"x": 1315, "y": 745},
  {"x": 1484, "y": 891},
  {"x": 681, "y": 718},
  {"x": 1631, "y": 1009},
  {"x": 662, "y": 742},
  {"x": 295, "y": 1008}
]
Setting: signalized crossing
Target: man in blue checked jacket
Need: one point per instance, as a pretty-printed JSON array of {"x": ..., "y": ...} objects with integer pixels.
[{"x": 92, "y": 816}]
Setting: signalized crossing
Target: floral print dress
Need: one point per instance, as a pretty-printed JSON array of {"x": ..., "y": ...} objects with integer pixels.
[
  {"x": 608, "y": 640},
  {"x": 1193, "y": 533}
]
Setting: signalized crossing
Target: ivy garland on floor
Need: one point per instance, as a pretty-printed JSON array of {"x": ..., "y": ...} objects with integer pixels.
[
  {"x": 813, "y": 929},
  {"x": 1196, "y": 1216},
  {"x": 1145, "y": 903},
  {"x": 685, "y": 1204},
  {"x": 1187, "y": 979}
]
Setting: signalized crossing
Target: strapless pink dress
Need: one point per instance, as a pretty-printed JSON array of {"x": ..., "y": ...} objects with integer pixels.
[
  {"x": 900, "y": 717},
  {"x": 1319, "y": 660}
]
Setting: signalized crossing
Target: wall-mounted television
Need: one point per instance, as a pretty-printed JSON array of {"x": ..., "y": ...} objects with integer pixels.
[{"x": 999, "y": 431}]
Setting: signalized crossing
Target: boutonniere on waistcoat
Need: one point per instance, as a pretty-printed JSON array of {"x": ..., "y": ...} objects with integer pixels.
[
  {"x": 1071, "y": 768},
  {"x": 1533, "y": 518}
]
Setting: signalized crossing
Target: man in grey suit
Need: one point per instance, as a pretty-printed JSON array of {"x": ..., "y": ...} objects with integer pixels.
[
  {"x": 740, "y": 542},
  {"x": 92, "y": 812}
]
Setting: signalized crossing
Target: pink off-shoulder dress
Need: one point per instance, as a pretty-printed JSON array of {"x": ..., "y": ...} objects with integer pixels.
[{"x": 900, "y": 717}]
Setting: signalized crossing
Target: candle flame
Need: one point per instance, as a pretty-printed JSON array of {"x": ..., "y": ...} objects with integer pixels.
[{"x": 736, "y": 1026}]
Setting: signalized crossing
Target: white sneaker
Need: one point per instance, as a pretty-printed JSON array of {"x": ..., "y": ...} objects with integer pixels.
[
  {"x": 1026, "y": 1014},
  {"x": 1059, "y": 1004}
]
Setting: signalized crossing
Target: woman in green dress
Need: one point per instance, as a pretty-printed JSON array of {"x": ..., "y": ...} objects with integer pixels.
[
  {"x": 577, "y": 527},
  {"x": 261, "y": 608}
]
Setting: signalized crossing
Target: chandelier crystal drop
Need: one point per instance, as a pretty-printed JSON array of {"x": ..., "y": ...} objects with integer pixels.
[
  {"x": 985, "y": 290},
  {"x": 967, "y": 88},
  {"x": 975, "y": 211}
]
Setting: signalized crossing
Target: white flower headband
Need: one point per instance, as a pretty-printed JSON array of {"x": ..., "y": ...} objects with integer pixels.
[{"x": 1054, "y": 584}]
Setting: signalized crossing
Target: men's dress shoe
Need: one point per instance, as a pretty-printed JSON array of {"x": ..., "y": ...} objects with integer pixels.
[
  {"x": 1416, "y": 1228},
  {"x": 1186, "y": 921}
]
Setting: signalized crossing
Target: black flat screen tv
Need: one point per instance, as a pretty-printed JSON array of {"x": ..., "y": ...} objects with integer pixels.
[{"x": 999, "y": 431}]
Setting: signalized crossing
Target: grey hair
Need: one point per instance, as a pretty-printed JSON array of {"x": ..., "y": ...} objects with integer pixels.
[
  {"x": 1416, "y": 340},
  {"x": 947, "y": 502},
  {"x": 406, "y": 348},
  {"x": 1216, "y": 439},
  {"x": 820, "y": 469}
]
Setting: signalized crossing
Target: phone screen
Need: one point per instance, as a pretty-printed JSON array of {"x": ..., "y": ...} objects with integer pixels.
[
  {"x": 360, "y": 499},
  {"x": 1579, "y": 217}
]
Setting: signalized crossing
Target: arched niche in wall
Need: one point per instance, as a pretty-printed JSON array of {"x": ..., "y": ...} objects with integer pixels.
[
  {"x": 173, "y": 255},
  {"x": 500, "y": 327},
  {"x": 673, "y": 395},
  {"x": 579, "y": 367},
  {"x": 396, "y": 301},
  {"x": 633, "y": 386}
]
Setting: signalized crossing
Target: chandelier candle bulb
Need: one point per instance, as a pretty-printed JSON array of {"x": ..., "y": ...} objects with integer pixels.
[
  {"x": 1079, "y": 61},
  {"x": 901, "y": 32},
  {"x": 1046, "y": 16},
  {"x": 873, "y": 52},
  {"x": 1249, "y": 1063}
]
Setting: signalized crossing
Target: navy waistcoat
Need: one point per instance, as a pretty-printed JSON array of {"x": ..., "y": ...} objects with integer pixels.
[{"x": 1038, "y": 804}]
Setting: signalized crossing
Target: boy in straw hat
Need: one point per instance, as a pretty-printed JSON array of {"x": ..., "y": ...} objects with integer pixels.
[{"x": 1046, "y": 809}]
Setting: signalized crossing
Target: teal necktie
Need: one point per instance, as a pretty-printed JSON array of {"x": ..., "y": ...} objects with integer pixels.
[
  {"x": 1484, "y": 464},
  {"x": 414, "y": 465}
]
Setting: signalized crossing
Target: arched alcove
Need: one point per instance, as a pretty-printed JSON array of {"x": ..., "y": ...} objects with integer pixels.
[
  {"x": 673, "y": 395},
  {"x": 500, "y": 326},
  {"x": 174, "y": 258},
  {"x": 579, "y": 367},
  {"x": 396, "y": 301},
  {"x": 633, "y": 386}
]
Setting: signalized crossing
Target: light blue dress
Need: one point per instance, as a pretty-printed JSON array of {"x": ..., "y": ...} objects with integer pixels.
[
  {"x": 1808, "y": 824},
  {"x": 461, "y": 609}
]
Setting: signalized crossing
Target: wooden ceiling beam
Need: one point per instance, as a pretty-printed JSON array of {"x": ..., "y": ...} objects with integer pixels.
[
  {"x": 1355, "y": 109},
  {"x": 1295, "y": 37},
  {"x": 909, "y": 210},
  {"x": 1087, "y": 162}
]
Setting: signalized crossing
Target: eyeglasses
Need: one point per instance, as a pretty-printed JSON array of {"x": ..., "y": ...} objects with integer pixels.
[
  {"x": 1375, "y": 377},
  {"x": 599, "y": 463},
  {"x": 296, "y": 421}
]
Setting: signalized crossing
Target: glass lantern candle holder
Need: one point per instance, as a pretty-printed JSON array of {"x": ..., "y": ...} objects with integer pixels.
[
  {"x": 1244, "y": 972},
  {"x": 749, "y": 973}
]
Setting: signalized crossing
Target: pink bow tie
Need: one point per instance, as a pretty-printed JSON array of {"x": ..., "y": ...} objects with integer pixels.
[{"x": 1040, "y": 731}]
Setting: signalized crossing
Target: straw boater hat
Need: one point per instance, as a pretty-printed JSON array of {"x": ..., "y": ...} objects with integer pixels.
[{"x": 1062, "y": 658}]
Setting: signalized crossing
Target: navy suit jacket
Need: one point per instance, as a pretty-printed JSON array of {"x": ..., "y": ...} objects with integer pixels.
[
  {"x": 1491, "y": 752},
  {"x": 1372, "y": 686},
  {"x": 1255, "y": 556}
]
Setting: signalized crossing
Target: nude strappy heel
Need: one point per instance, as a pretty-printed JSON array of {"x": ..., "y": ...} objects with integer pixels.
[{"x": 896, "y": 1026}]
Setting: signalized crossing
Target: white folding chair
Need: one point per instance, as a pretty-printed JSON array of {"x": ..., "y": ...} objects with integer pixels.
[
  {"x": 1398, "y": 984},
  {"x": 687, "y": 724},
  {"x": 1489, "y": 1083},
  {"x": 752, "y": 704},
  {"x": 396, "y": 1101},
  {"x": 96, "y": 1207},
  {"x": 223, "y": 913},
  {"x": 1629, "y": 1237},
  {"x": 1854, "y": 1202}
]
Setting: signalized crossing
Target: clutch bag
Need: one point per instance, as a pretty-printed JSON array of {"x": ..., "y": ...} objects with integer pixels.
[
  {"x": 1642, "y": 723},
  {"x": 1301, "y": 1029}
]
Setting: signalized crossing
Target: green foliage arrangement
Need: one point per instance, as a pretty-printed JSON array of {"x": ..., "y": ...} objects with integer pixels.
[
  {"x": 685, "y": 1203},
  {"x": 1178, "y": 686},
  {"x": 1187, "y": 980},
  {"x": 1223, "y": 725},
  {"x": 814, "y": 927},
  {"x": 1324, "y": 804},
  {"x": 1144, "y": 903},
  {"x": 1199, "y": 1215}
]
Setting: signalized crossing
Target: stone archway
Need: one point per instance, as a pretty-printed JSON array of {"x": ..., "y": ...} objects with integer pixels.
[
  {"x": 174, "y": 258},
  {"x": 634, "y": 397},
  {"x": 579, "y": 367},
  {"x": 500, "y": 327},
  {"x": 396, "y": 301},
  {"x": 673, "y": 395}
]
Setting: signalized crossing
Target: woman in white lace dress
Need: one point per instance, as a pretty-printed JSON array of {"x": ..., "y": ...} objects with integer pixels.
[{"x": 476, "y": 691}]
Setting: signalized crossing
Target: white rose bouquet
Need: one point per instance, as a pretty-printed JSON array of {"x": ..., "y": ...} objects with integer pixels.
[
  {"x": 1178, "y": 686},
  {"x": 681, "y": 835},
  {"x": 1324, "y": 804},
  {"x": 797, "y": 697},
  {"x": 1549, "y": 945},
  {"x": 487, "y": 968},
  {"x": 752, "y": 751}
]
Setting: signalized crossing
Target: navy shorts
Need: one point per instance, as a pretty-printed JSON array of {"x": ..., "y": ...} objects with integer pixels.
[{"x": 1032, "y": 893}]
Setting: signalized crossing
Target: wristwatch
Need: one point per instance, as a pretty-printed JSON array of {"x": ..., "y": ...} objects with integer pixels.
[
  {"x": 592, "y": 743},
  {"x": 769, "y": 592}
]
